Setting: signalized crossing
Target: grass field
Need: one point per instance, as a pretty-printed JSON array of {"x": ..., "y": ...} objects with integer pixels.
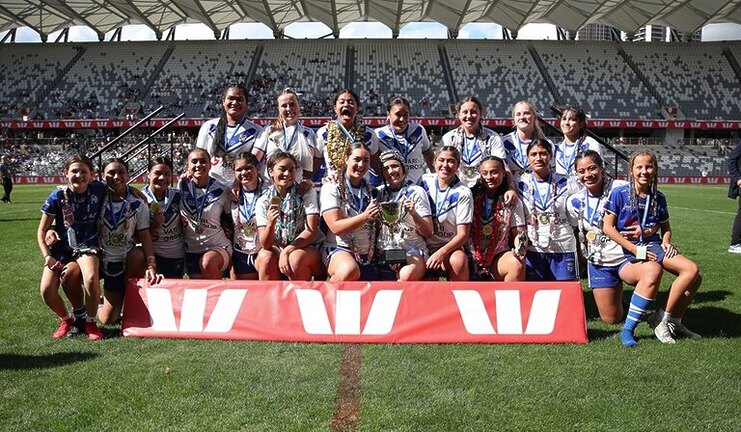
[{"x": 148, "y": 384}]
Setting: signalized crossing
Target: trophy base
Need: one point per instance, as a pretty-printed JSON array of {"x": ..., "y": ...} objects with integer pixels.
[{"x": 393, "y": 256}]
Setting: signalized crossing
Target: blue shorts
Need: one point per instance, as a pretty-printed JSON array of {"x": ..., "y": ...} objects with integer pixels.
[
  {"x": 170, "y": 267},
  {"x": 555, "y": 266},
  {"x": 652, "y": 247},
  {"x": 244, "y": 263},
  {"x": 603, "y": 276},
  {"x": 114, "y": 276},
  {"x": 368, "y": 270}
]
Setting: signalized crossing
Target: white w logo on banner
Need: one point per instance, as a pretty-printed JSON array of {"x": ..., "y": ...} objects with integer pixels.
[
  {"x": 315, "y": 317},
  {"x": 509, "y": 312},
  {"x": 193, "y": 310}
]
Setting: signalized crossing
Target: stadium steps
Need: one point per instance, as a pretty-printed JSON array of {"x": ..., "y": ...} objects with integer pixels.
[
  {"x": 52, "y": 85},
  {"x": 546, "y": 76},
  {"x": 644, "y": 79},
  {"x": 733, "y": 62},
  {"x": 448, "y": 74},
  {"x": 349, "y": 66},
  {"x": 157, "y": 72}
]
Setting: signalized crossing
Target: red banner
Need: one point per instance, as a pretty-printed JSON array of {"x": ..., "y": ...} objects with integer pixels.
[
  {"x": 357, "y": 312},
  {"x": 317, "y": 122}
]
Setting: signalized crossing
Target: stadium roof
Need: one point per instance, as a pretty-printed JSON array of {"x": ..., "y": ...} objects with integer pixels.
[{"x": 47, "y": 16}]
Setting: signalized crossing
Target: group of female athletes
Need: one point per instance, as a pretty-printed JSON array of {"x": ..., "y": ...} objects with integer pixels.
[{"x": 483, "y": 207}]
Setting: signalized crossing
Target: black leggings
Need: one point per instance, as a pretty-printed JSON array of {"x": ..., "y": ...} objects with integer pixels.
[
  {"x": 8, "y": 187},
  {"x": 736, "y": 232}
]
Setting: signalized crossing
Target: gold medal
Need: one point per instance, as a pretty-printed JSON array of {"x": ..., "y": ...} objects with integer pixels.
[
  {"x": 544, "y": 219},
  {"x": 248, "y": 231},
  {"x": 591, "y": 236},
  {"x": 276, "y": 200},
  {"x": 155, "y": 207},
  {"x": 487, "y": 230}
]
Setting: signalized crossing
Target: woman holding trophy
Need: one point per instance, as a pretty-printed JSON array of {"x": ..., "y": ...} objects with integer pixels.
[
  {"x": 406, "y": 220},
  {"x": 351, "y": 211},
  {"x": 288, "y": 223},
  {"x": 498, "y": 240}
]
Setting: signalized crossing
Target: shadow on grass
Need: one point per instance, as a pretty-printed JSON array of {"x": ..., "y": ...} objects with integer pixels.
[
  {"x": 713, "y": 321},
  {"x": 44, "y": 361},
  {"x": 599, "y": 334},
  {"x": 21, "y": 219},
  {"x": 710, "y": 296}
]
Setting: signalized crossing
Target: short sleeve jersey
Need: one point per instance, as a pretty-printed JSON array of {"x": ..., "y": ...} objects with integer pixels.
[
  {"x": 411, "y": 239},
  {"x": 488, "y": 216},
  {"x": 298, "y": 140},
  {"x": 82, "y": 219},
  {"x": 628, "y": 216},
  {"x": 411, "y": 144},
  {"x": 330, "y": 199},
  {"x": 167, "y": 241},
  {"x": 307, "y": 205},
  {"x": 565, "y": 153},
  {"x": 473, "y": 149},
  {"x": 516, "y": 150},
  {"x": 119, "y": 221},
  {"x": 589, "y": 211},
  {"x": 237, "y": 139},
  {"x": 450, "y": 207},
  {"x": 244, "y": 215},
  {"x": 201, "y": 210},
  {"x": 328, "y": 169}
]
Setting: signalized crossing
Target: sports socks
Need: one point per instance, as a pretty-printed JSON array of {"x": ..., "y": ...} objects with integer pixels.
[{"x": 639, "y": 305}]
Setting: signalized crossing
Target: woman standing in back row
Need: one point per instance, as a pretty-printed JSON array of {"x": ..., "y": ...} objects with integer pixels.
[{"x": 525, "y": 119}]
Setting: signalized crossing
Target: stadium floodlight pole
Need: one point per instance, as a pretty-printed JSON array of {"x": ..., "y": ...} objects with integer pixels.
[
  {"x": 618, "y": 154},
  {"x": 99, "y": 154}
]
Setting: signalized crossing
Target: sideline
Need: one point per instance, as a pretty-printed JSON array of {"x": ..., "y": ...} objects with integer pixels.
[
  {"x": 346, "y": 415},
  {"x": 702, "y": 210}
]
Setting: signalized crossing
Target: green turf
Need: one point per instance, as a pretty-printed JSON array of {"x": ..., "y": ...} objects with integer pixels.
[{"x": 140, "y": 384}]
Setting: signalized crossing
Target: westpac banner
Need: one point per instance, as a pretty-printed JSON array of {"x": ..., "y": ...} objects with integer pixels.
[{"x": 357, "y": 312}]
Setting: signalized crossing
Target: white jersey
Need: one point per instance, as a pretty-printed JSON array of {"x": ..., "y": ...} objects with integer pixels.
[
  {"x": 244, "y": 215},
  {"x": 167, "y": 241},
  {"x": 589, "y": 210},
  {"x": 473, "y": 149},
  {"x": 119, "y": 221},
  {"x": 370, "y": 141},
  {"x": 411, "y": 239},
  {"x": 549, "y": 226},
  {"x": 237, "y": 139},
  {"x": 493, "y": 214},
  {"x": 516, "y": 150},
  {"x": 358, "y": 200},
  {"x": 298, "y": 140},
  {"x": 293, "y": 212},
  {"x": 450, "y": 207},
  {"x": 565, "y": 153},
  {"x": 201, "y": 209},
  {"x": 411, "y": 144}
]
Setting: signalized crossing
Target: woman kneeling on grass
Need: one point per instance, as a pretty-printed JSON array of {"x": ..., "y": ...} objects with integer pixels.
[
  {"x": 70, "y": 249},
  {"x": 123, "y": 222},
  {"x": 498, "y": 239},
  {"x": 634, "y": 214},
  {"x": 288, "y": 223},
  {"x": 605, "y": 258}
]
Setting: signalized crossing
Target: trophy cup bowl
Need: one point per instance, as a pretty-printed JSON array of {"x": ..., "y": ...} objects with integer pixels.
[
  {"x": 391, "y": 212},
  {"x": 393, "y": 252}
]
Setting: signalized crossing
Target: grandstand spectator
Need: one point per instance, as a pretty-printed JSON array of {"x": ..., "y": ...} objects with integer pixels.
[
  {"x": 410, "y": 141},
  {"x": 287, "y": 134},
  {"x": 497, "y": 248},
  {"x": 205, "y": 204},
  {"x": 67, "y": 238},
  {"x": 288, "y": 223},
  {"x": 451, "y": 216},
  {"x": 415, "y": 220},
  {"x": 634, "y": 214},
  {"x": 250, "y": 260},
  {"x": 605, "y": 258},
  {"x": 6, "y": 170},
  {"x": 339, "y": 134},
  {"x": 551, "y": 253},
  {"x": 123, "y": 222},
  {"x": 165, "y": 227},
  {"x": 734, "y": 192},
  {"x": 472, "y": 139},
  {"x": 230, "y": 134},
  {"x": 575, "y": 140},
  {"x": 351, "y": 212},
  {"x": 516, "y": 142}
]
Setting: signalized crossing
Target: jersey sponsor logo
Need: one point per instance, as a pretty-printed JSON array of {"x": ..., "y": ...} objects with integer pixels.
[
  {"x": 193, "y": 310},
  {"x": 347, "y": 312}
]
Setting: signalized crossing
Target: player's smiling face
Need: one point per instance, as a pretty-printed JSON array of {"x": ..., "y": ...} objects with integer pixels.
[
  {"x": 492, "y": 173},
  {"x": 589, "y": 173},
  {"x": 289, "y": 108},
  {"x": 160, "y": 177},
  {"x": 523, "y": 117},
  {"x": 470, "y": 116},
  {"x": 79, "y": 175},
  {"x": 235, "y": 104},
  {"x": 116, "y": 175},
  {"x": 570, "y": 125},
  {"x": 398, "y": 117},
  {"x": 198, "y": 166},
  {"x": 358, "y": 164},
  {"x": 446, "y": 166},
  {"x": 283, "y": 173},
  {"x": 246, "y": 174},
  {"x": 393, "y": 173}
]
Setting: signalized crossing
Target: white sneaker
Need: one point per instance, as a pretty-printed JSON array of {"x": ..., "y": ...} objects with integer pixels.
[
  {"x": 735, "y": 248},
  {"x": 680, "y": 331},
  {"x": 661, "y": 328}
]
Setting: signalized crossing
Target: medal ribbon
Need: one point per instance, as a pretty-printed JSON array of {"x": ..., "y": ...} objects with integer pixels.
[
  {"x": 520, "y": 156},
  {"x": 645, "y": 216},
  {"x": 567, "y": 160},
  {"x": 344, "y": 131},
  {"x": 228, "y": 142},
  {"x": 117, "y": 217},
  {"x": 403, "y": 149},
  {"x": 439, "y": 206},
  {"x": 468, "y": 154},
  {"x": 148, "y": 192},
  {"x": 247, "y": 210},
  {"x": 288, "y": 142},
  {"x": 200, "y": 202},
  {"x": 358, "y": 202},
  {"x": 545, "y": 201}
]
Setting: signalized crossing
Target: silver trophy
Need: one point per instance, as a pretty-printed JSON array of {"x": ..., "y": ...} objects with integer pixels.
[{"x": 393, "y": 252}]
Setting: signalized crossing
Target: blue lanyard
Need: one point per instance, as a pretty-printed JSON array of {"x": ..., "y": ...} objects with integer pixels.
[
  {"x": 439, "y": 206},
  {"x": 148, "y": 192},
  {"x": 645, "y": 215},
  {"x": 590, "y": 217},
  {"x": 358, "y": 202},
  {"x": 287, "y": 142},
  {"x": 228, "y": 142},
  {"x": 116, "y": 218},
  {"x": 344, "y": 131},
  {"x": 247, "y": 209},
  {"x": 403, "y": 149},
  {"x": 469, "y": 154},
  {"x": 567, "y": 161},
  {"x": 200, "y": 202},
  {"x": 520, "y": 156},
  {"x": 537, "y": 198}
]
